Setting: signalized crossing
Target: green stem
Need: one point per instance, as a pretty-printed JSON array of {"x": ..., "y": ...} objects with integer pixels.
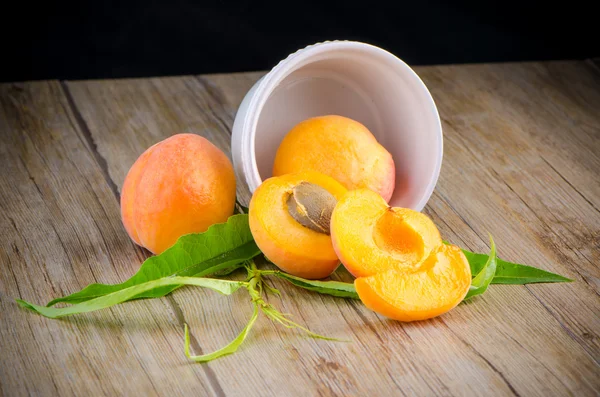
[{"x": 268, "y": 272}]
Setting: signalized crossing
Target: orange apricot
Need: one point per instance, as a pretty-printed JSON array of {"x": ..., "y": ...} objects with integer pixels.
[
  {"x": 181, "y": 185},
  {"x": 403, "y": 269},
  {"x": 339, "y": 147},
  {"x": 438, "y": 286},
  {"x": 369, "y": 237},
  {"x": 289, "y": 218}
]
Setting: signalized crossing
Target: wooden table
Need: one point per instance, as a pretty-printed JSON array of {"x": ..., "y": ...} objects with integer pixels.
[{"x": 521, "y": 161}]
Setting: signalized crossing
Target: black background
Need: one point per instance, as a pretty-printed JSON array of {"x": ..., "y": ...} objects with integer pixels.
[{"x": 104, "y": 39}]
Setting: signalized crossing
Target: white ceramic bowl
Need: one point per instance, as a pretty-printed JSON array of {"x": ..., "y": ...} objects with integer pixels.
[{"x": 351, "y": 79}]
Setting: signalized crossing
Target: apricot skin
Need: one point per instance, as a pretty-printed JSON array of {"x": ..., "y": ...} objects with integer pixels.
[
  {"x": 439, "y": 286},
  {"x": 294, "y": 248},
  {"x": 181, "y": 185},
  {"x": 339, "y": 147},
  {"x": 369, "y": 237}
]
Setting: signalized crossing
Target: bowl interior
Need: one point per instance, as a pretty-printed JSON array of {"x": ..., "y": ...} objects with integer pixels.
[{"x": 374, "y": 88}]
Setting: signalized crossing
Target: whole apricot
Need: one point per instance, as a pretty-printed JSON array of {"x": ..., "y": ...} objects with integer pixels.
[
  {"x": 290, "y": 217},
  {"x": 403, "y": 269},
  {"x": 339, "y": 147},
  {"x": 181, "y": 185}
]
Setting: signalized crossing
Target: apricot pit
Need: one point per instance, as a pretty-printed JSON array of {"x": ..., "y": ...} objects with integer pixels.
[{"x": 311, "y": 206}]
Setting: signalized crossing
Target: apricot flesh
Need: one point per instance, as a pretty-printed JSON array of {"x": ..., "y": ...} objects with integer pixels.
[
  {"x": 403, "y": 269},
  {"x": 181, "y": 185},
  {"x": 369, "y": 237},
  {"x": 341, "y": 148},
  {"x": 438, "y": 286},
  {"x": 289, "y": 222}
]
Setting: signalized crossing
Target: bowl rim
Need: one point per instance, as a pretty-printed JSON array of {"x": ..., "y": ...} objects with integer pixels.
[{"x": 269, "y": 82}]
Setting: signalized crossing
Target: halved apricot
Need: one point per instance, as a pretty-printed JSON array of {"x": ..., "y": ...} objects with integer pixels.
[
  {"x": 369, "y": 237},
  {"x": 289, "y": 218},
  {"x": 438, "y": 286},
  {"x": 403, "y": 269}
]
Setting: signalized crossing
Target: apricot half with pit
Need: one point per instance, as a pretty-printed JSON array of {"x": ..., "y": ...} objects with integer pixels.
[
  {"x": 290, "y": 217},
  {"x": 403, "y": 269},
  {"x": 341, "y": 148}
]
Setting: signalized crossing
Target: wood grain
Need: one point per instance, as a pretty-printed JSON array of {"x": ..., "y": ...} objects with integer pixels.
[
  {"x": 59, "y": 231},
  {"x": 521, "y": 161},
  {"x": 541, "y": 187}
]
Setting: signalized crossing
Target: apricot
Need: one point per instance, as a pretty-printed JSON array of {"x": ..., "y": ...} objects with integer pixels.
[
  {"x": 339, "y": 147},
  {"x": 289, "y": 218},
  {"x": 181, "y": 185},
  {"x": 403, "y": 269},
  {"x": 369, "y": 237},
  {"x": 438, "y": 286}
]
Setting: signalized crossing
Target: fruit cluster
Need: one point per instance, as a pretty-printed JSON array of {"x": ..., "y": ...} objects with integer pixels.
[{"x": 326, "y": 204}]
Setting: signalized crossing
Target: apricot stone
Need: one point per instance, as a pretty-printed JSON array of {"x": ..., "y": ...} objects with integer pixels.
[
  {"x": 339, "y": 147},
  {"x": 369, "y": 237},
  {"x": 181, "y": 185},
  {"x": 289, "y": 218},
  {"x": 311, "y": 206}
]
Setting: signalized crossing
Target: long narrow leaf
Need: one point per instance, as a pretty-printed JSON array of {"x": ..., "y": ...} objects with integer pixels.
[
  {"x": 230, "y": 348},
  {"x": 334, "y": 288},
  {"x": 483, "y": 279},
  {"x": 225, "y": 287},
  {"x": 512, "y": 273}
]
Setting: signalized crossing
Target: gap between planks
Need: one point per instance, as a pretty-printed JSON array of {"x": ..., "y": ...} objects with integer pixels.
[
  {"x": 82, "y": 129},
  {"x": 527, "y": 287},
  {"x": 89, "y": 140},
  {"x": 495, "y": 176}
]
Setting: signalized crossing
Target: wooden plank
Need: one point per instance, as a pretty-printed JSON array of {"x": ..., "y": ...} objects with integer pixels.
[
  {"x": 571, "y": 125},
  {"x": 59, "y": 231},
  {"x": 515, "y": 146},
  {"x": 508, "y": 342},
  {"x": 270, "y": 342}
]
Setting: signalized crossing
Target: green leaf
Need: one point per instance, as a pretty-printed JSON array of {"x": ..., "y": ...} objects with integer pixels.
[
  {"x": 229, "y": 270},
  {"x": 225, "y": 287},
  {"x": 221, "y": 247},
  {"x": 484, "y": 277},
  {"x": 230, "y": 348},
  {"x": 335, "y": 288},
  {"x": 512, "y": 273}
]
